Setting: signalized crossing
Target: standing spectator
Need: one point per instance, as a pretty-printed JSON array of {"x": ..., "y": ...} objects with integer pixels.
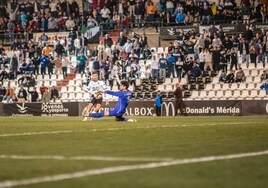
[
  {"x": 57, "y": 63},
  {"x": 253, "y": 53},
  {"x": 14, "y": 64},
  {"x": 208, "y": 60},
  {"x": 46, "y": 51},
  {"x": 82, "y": 59},
  {"x": 179, "y": 104},
  {"x": 170, "y": 66},
  {"x": 2, "y": 92},
  {"x": 244, "y": 51},
  {"x": 44, "y": 64},
  {"x": 64, "y": 64},
  {"x": 158, "y": 103},
  {"x": 233, "y": 59},
  {"x": 155, "y": 67},
  {"x": 162, "y": 67}
]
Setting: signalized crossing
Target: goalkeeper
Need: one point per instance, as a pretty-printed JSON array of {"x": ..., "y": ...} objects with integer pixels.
[
  {"x": 119, "y": 110},
  {"x": 95, "y": 88}
]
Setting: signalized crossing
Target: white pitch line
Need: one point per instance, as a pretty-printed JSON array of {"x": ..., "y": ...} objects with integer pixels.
[
  {"x": 82, "y": 158},
  {"x": 125, "y": 128},
  {"x": 91, "y": 172},
  {"x": 34, "y": 133}
]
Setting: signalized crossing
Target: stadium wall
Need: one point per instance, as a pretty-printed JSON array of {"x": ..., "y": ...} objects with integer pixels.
[{"x": 141, "y": 108}]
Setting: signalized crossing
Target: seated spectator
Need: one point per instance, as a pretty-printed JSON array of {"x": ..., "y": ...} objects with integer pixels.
[
  {"x": 222, "y": 77},
  {"x": 264, "y": 75},
  {"x": 230, "y": 78},
  {"x": 196, "y": 71},
  {"x": 22, "y": 95},
  {"x": 34, "y": 94},
  {"x": 10, "y": 94},
  {"x": 54, "y": 94},
  {"x": 265, "y": 86},
  {"x": 2, "y": 92},
  {"x": 240, "y": 75},
  {"x": 46, "y": 96}
]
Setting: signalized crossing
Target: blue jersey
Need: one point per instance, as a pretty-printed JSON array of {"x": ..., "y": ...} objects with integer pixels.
[{"x": 122, "y": 103}]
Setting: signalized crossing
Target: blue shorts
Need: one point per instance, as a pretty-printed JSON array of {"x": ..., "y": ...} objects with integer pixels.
[{"x": 116, "y": 112}]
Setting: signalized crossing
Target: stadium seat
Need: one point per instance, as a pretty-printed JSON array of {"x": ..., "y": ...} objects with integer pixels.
[
  {"x": 228, "y": 94},
  {"x": 220, "y": 95},
  {"x": 257, "y": 79},
  {"x": 211, "y": 95},
  {"x": 203, "y": 95},
  {"x": 225, "y": 87},
  {"x": 242, "y": 86}
]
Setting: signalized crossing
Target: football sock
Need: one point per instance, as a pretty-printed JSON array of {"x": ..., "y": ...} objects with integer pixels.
[{"x": 97, "y": 115}]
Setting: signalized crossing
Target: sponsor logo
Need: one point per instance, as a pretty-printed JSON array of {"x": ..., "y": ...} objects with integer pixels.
[
  {"x": 144, "y": 111},
  {"x": 168, "y": 108},
  {"x": 53, "y": 108},
  {"x": 22, "y": 109},
  {"x": 171, "y": 31}
]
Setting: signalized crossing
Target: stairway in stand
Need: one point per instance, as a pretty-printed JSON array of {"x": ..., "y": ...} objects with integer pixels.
[
  {"x": 65, "y": 81},
  {"x": 113, "y": 35}
]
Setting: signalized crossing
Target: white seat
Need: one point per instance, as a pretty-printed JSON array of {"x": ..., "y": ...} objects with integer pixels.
[
  {"x": 71, "y": 89},
  {"x": 71, "y": 83},
  {"x": 257, "y": 79},
  {"x": 53, "y": 77},
  {"x": 211, "y": 95},
  {"x": 63, "y": 89},
  {"x": 169, "y": 87},
  {"x": 194, "y": 95},
  {"x": 263, "y": 94},
  {"x": 161, "y": 87},
  {"x": 60, "y": 77},
  {"x": 254, "y": 72},
  {"x": 217, "y": 87},
  {"x": 225, "y": 87},
  {"x": 79, "y": 96},
  {"x": 254, "y": 94},
  {"x": 160, "y": 50},
  {"x": 53, "y": 83},
  {"x": 46, "y": 77},
  {"x": 236, "y": 94},
  {"x": 244, "y": 94},
  {"x": 242, "y": 86},
  {"x": 251, "y": 86},
  {"x": 71, "y": 96},
  {"x": 64, "y": 95},
  {"x": 203, "y": 95},
  {"x": 234, "y": 86},
  {"x": 208, "y": 87},
  {"x": 228, "y": 94},
  {"x": 220, "y": 95}
]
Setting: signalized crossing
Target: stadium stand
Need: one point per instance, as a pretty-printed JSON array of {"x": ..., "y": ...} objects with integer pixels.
[{"x": 128, "y": 54}]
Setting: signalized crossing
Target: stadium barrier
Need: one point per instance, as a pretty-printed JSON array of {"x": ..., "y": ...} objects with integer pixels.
[{"x": 141, "y": 108}]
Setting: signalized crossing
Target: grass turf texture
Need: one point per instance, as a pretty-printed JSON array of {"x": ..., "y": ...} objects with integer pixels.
[{"x": 150, "y": 137}]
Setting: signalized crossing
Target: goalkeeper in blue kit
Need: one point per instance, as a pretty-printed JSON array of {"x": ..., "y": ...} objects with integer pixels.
[{"x": 119, "y": 110}]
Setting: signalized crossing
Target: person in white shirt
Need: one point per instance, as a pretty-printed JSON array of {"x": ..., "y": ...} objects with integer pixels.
[
  {"x": 70, "y": 23},
  {"x": 95, "y": 87},
  {"x": 155, "y": 67}
]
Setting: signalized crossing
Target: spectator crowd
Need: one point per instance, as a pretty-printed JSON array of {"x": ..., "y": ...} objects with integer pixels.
[{"x": 191, "y": 55}]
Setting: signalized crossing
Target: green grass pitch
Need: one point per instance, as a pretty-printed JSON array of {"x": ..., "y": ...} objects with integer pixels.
[{"x": 35, "y": 151}]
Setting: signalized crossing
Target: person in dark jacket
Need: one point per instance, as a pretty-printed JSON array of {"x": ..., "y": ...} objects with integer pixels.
[
  {"x": 179, "y": 104},
  {"x": 34, "y": 94},
  {"x": 22, "y": 95}
]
